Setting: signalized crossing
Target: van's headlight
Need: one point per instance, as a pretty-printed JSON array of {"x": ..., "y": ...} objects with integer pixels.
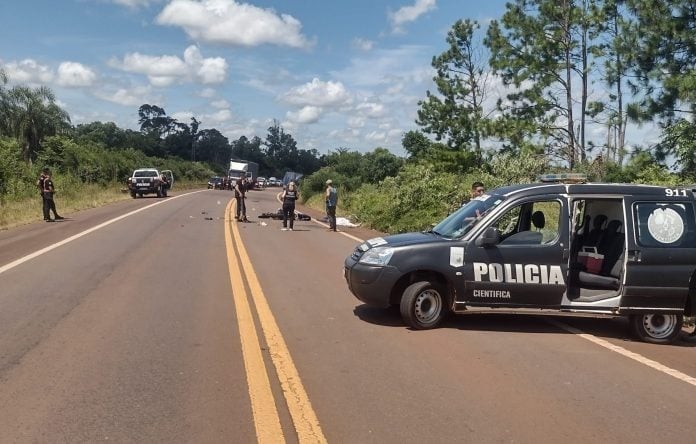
[{"x": 377, "y": 256}]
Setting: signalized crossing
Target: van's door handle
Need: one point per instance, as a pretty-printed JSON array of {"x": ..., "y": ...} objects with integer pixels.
[{"x": 633, "y": 255}]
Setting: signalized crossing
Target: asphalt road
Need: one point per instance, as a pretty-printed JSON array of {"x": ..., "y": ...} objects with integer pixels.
[{"x": 161, "y": 320}]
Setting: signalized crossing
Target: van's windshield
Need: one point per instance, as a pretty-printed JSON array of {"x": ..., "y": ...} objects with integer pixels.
[{"x": 464, "y": 219}]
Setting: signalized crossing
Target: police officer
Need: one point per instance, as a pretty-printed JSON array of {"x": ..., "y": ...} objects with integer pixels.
[
  {"x": 331, "y": 202},
  {"x": 289, "y": 197},
  {"x": 240, "y": 194},
  {"x": 47, "y": 190}
]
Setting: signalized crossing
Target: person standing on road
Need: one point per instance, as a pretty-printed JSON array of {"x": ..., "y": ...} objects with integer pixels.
[
  {"x": 240, "y": 195},
  {"x": 289, "y": 197},
  {"x": 331, "y": 201},
  {"x": 47, "y": 191}
]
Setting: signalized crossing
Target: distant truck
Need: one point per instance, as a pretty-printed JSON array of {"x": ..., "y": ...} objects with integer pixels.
[
  {"x": 150, "y": 181},
  {"x": 243, "y": 168},
  {"x": 292, "y": 176}
]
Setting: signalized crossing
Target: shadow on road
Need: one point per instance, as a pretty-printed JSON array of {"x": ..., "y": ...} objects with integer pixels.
[{"x": 607, "y": 328}]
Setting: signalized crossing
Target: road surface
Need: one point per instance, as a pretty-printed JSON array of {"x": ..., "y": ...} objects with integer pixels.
[{"x": 163, "y": 320}]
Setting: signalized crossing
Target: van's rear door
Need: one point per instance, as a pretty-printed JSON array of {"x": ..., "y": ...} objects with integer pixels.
[{"x": 661, "y": 250}]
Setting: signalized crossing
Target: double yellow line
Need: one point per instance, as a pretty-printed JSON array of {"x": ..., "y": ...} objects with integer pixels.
[{"x": 266, "y": 419}]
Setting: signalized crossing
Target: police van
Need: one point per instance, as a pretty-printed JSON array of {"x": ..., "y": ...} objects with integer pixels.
[{"x": 604, "y": 249}]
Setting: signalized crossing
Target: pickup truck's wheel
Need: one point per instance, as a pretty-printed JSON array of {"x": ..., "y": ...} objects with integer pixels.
[
  {"x": 423, "y": 305},
  {"x": 657, "y": 328}
]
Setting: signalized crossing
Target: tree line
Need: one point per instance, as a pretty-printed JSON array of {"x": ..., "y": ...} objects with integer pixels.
[
  {"x": 566, "y": 66},
  {"x": 549, "y": 85}
]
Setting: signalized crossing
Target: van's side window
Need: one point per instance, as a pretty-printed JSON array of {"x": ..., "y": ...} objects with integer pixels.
[
  {"x": 532, "y": 223},
  {"x": 661, "y": 224}
]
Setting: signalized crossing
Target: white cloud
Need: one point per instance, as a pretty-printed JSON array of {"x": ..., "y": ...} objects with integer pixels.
[
  {"x": 133, "y": 4},
  {"x": 307, "y": 114},
  {"x": 408, "y": 14},
  {"x": 363, "y": 44},
  {"x": 318, "y": 93},
  {"x": 218, "y": 117},
  {"x": 73, "y": 74},
  {"x": 356, "y": 122},
  {"x": 167, "y": 69},
  {"x": 232, "y": 23},
  {"x": 220, "y": 104},
  {"x": 129, "y": 96},
  {"x": 207, "y": 93},
  {"x": 28, "y": 71},
  {"x": 183, "y": 116},
  {"x": 371, "y": 109}
]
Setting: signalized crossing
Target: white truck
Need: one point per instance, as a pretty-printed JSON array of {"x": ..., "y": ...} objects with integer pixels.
[
  {"x": 243, "y": 168},
  {"x": 150, "y": 181},
  {"x": 238, "y": 169}
]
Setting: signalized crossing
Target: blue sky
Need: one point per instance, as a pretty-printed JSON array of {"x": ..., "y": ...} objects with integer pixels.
[{"x": 335, "y": 73}]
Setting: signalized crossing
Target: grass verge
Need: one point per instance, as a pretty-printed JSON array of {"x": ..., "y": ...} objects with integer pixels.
[{"x": 28, "y": 210}]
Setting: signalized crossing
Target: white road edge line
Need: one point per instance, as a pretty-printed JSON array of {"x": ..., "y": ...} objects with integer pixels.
[
  {"x": 31, "y": 256},
  {"x": 622, "y": 351}
]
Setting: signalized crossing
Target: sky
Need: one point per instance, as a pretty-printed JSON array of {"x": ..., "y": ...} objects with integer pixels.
[{"x": 334, "y": 73}]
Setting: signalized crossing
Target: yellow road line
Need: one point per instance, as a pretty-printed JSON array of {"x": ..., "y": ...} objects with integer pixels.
[
  {"x": 266, "y": 419},
  {"x": 304, "y": 419}
]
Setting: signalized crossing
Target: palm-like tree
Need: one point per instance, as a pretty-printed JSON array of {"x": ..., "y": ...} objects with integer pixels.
[
  {"x": 4, "y": 107},
  {"x": 33, "y": 115}
]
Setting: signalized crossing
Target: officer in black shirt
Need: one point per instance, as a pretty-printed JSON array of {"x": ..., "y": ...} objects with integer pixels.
[
  {"x": 47, "y": 190},
  {"x": 240, "y": 189},
  {"x": 289, "y": 197}
]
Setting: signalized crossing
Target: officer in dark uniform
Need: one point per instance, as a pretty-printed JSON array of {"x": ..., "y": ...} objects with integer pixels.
[
  {"x": 240, "y": 194},
  {"x": 47, "y": 190}
]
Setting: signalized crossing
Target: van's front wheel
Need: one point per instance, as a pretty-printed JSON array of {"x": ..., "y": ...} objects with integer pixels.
[
  {"x": 423, "y": 305},
  {"x": 657, "y": 328}
]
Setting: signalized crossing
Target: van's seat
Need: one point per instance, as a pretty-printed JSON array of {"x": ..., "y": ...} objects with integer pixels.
[
  {"x": 594, "y": 236},
  {"x": 529, "y": 237},
  {"x": 612, "y": 247}
]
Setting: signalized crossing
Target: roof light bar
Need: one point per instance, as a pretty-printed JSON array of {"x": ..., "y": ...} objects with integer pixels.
[{"x": 563, "y": 178}]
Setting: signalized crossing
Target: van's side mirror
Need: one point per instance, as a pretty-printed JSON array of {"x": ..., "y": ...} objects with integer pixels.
[{"x": 489, "y": 238}]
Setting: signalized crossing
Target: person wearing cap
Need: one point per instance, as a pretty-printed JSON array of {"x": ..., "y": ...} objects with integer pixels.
[
  {"x": 331, "y": 201},
  {"x": 289, "y": 197},
  {"x": 47, "y": 188}
]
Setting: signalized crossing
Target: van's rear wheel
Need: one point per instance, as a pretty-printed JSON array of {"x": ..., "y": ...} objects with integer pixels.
[
  {"x": 423, "y": 305},
  {"x": 657, "y": 328}
]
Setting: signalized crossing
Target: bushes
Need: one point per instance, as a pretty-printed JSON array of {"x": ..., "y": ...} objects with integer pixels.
[{"x": 424, "y": 193}]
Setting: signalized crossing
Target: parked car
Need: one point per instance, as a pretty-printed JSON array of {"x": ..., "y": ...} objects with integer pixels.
[
  {"x": 215, "y": 183},
  {"x": 150, "y": 181}
]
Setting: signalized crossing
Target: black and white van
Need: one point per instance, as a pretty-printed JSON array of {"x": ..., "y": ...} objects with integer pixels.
[{"x": 607, "y": 249}]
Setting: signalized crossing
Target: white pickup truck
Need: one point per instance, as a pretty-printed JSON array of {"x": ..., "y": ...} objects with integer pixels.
[{"x": 150, "y": 181}]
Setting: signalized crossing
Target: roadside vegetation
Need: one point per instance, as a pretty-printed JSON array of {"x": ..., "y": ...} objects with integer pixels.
[{"x": 547, "y": 87}]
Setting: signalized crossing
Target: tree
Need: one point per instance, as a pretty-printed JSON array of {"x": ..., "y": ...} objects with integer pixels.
[
  {"x": 456, "y": 114},
  {"x": 614, "y": 30},
  {"x": 665, "y": 58},
  {"x": 416, "y": 144},
  {"x": 539, "y": 48},
  {"x": 380, "y": 164},
  {"x": 34, "y": 115},
  {"x": 214, "y": 148},
  {"x": 152, "y": 118},
  {"x": 281, "y": 149},
  {"x": 107, "y": 134},
  {"x": 680, "y": 139}
]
